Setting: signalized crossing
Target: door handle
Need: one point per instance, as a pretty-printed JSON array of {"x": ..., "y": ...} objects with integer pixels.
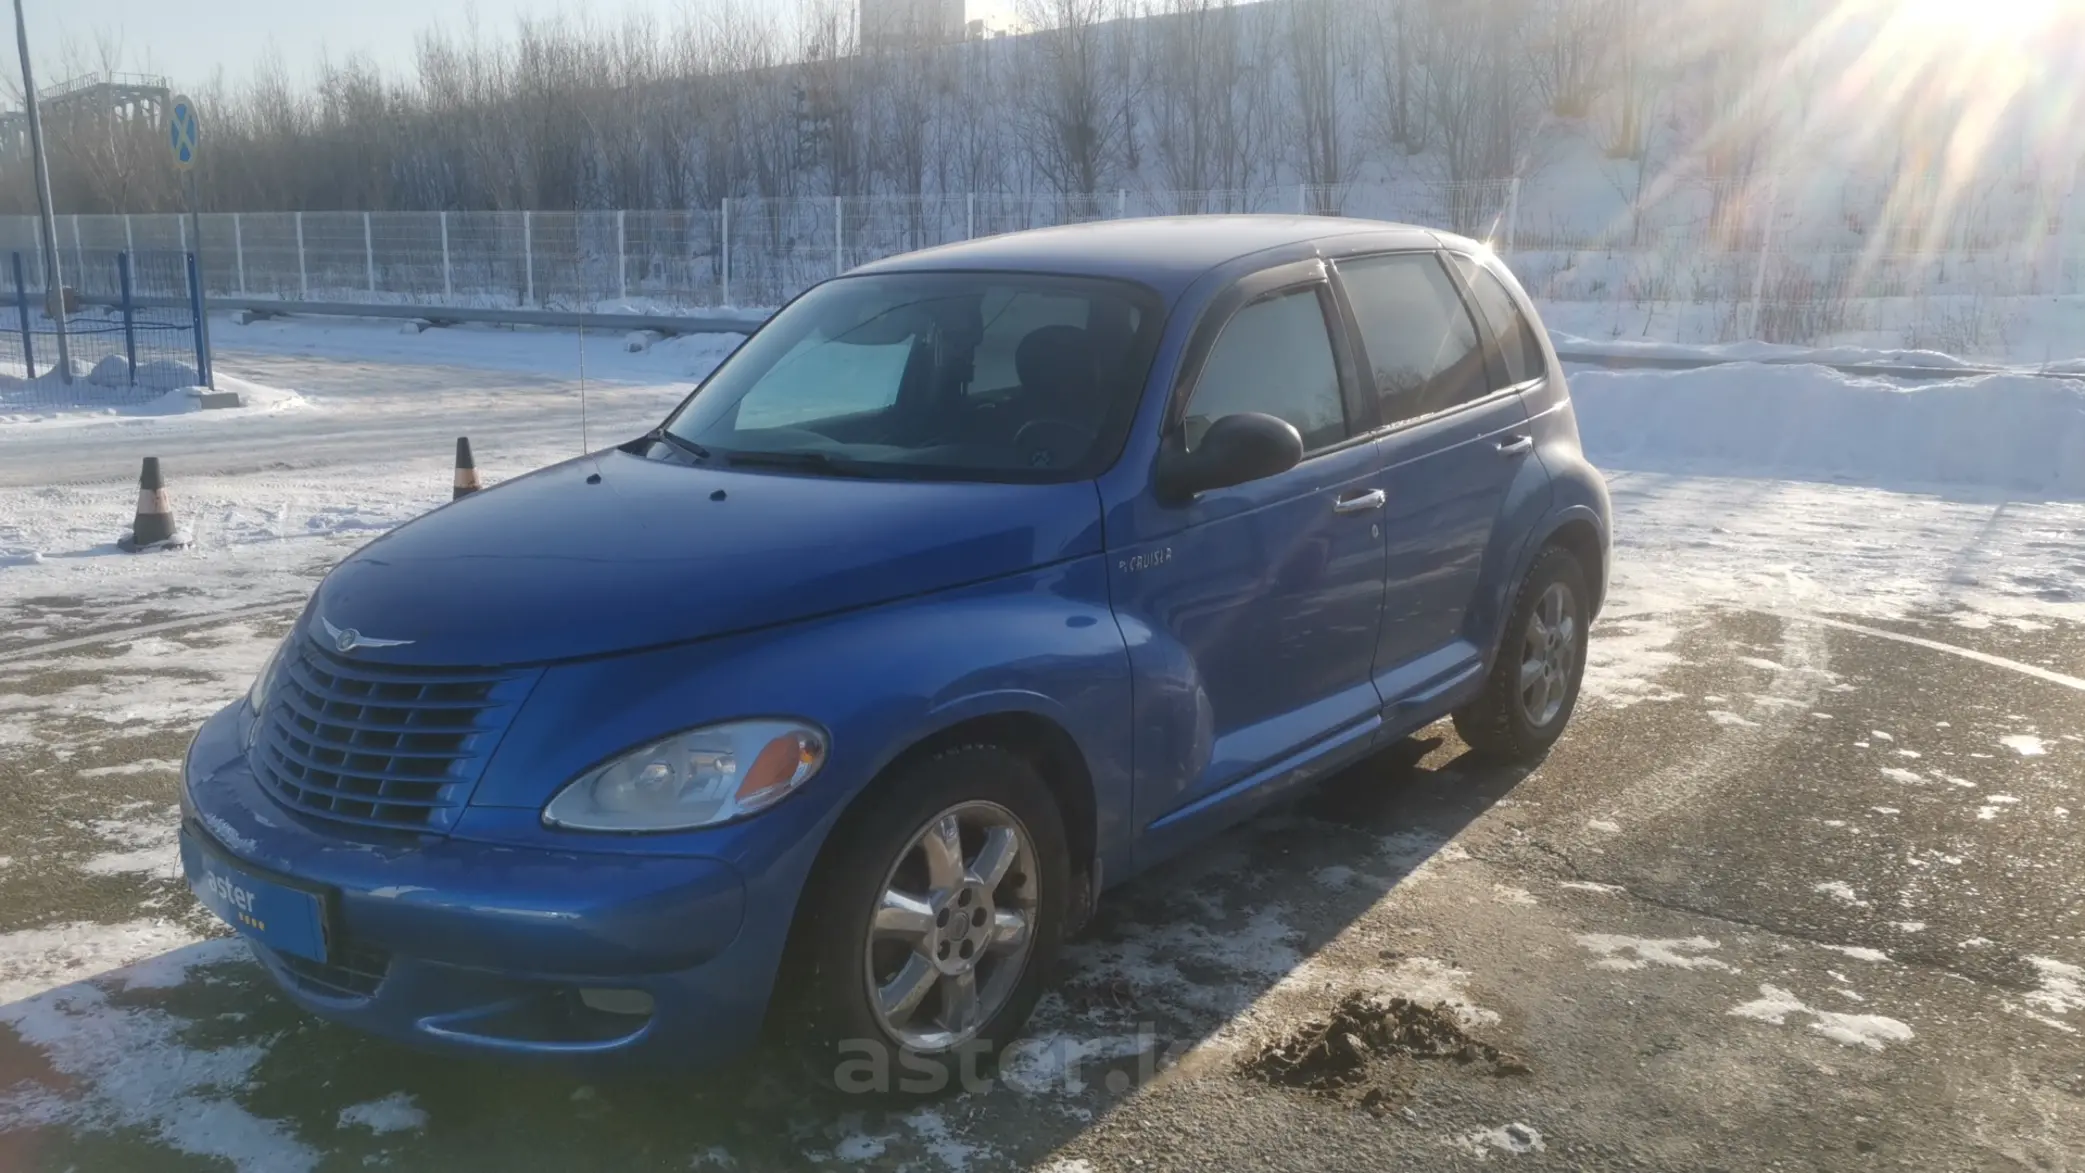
[
  {"x": 1360, "y": 502},
  {"x": 1516, "y": 446}
]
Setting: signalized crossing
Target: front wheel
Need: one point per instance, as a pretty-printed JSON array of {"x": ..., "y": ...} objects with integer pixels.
[
  {"x": 1533, "y": 686},
  {"x": 939, "y": 918}
]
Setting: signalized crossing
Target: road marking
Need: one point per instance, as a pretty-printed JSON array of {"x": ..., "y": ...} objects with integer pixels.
[
  {"x": 34, "y": 651},
  {"x": 2034, "y": 670}
]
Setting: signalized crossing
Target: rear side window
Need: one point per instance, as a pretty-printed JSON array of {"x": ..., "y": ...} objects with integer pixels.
[
  {"x": 1422, "y": 343},
  {"x": 1274, "y": 356},
  {"x": 1518, "y": 349}
]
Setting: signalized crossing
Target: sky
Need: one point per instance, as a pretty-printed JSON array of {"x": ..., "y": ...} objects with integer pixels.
[{"x": 188, "y": 40}]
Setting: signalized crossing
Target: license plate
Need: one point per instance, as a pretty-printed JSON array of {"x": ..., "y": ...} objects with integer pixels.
[{"x": 285, "y": 919}]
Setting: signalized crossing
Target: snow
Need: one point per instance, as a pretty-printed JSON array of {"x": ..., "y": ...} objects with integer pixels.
[
  {"x": 2003, "y": 431},
  {"x": 1625, "y": 953},
  {"x": 2024, "y": 745},
  {"x": 1840, "y": 891},
  {"x": 1508, "y": 1138},
  {"x": 393, "y": 1113},
  {"x": 255, "y": 399},
  {"x": 1870, "y": 1031}
]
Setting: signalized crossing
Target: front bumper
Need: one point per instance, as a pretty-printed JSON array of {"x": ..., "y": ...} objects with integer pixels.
[{"x": 485, "y": 948}]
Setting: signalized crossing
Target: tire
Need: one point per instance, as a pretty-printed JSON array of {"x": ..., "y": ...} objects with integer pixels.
[
  {"x": 935, "y": 1046},
  {"x": 1505, "y": 724}
]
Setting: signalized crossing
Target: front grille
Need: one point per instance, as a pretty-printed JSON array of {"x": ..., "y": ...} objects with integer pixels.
[
  {"x": 379, "y": 744},
  {"x": 356, "y": 972}
]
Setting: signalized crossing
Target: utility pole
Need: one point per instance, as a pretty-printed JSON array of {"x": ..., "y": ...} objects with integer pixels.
[{"x": 53, "y": 281}]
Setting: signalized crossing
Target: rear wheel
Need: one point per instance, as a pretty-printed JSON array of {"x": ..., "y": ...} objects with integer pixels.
[
  {"x": 938, "y": 920},
  {"x": 1533, "y": 686}
]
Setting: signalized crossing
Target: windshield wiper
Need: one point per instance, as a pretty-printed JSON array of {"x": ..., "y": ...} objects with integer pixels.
[
  {"x": 681, "y": 442},
  {"x": 817, "y": 462}
]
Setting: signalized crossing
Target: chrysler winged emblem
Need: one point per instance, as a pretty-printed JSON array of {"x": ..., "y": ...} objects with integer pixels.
[{"x": 347, "y": 640}]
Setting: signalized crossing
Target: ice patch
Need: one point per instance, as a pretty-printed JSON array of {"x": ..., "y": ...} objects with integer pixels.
[
  {"x": 1910, "y": 926},
  {"x": 1900, "y": 774},
  {"x": 933, "y": 1131},
  {"x": 1840, "y": 891},
  {"x": 1607, "y": 825},
  {"x": 1858, "y": 952},
  {"x": 1885, "y": 810},
  {"x": 1620, "y": 952},
  {"x": 394, "y": 1113},
  {"x": 1879, "y": 735},
  {"x": 1909, "y": 753},
  {"x": 1591, "y": 886},
  {"x": 1871, "y": 1031},
  {"x": 129, "y": 1068},
  {"x": 1516, "y": 1138},
  {"x": 1336, "y": 876},
  {"x": 2063, "y": 986},
  {"x": 860, "y": 1147},
  {"x": 1068, "y": 1165},
  {"x": 2024, "y": 745},
  {"x": 1728, "y": 718},
  {"x": 146, "y": 766}
]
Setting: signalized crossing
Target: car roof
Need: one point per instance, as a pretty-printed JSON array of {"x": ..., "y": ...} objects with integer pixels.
[{"x": 1167, "y": 253}]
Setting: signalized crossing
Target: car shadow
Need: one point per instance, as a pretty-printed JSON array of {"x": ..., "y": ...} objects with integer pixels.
[{"x": 1170, "y": 960}]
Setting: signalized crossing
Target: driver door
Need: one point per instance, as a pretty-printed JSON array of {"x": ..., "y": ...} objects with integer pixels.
[{"x": 1264, "y": 603}]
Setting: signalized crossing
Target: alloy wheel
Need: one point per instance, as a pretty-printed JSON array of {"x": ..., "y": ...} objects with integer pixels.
[
  {"x": 953, "y": 928},
  {"x": 1549, "y": 654}
]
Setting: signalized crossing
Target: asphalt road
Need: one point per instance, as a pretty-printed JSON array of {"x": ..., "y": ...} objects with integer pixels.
[{"x": 1817, "y": 908}]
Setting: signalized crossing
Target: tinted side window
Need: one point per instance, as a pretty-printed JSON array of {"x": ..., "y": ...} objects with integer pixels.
[
  {"x": 1421, "y": 341},
  {"x": 1517, "y": 345},
  {"x": 1274, "y": 356}
]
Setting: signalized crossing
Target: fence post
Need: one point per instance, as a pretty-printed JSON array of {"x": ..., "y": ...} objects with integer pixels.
[
  {"x": 79, "y": 255},
  {"x": 129, "y": 245},
  {"x": 303, "y": 275},
  {"x": 239, "y": 252},
  {"x": 839, "y": 255},
  {"x": 1122, "y": 203},
  {"x": 724, "y": 295},
  {"x": 1302, "y": 199},
  {"x": 448, "y": 288},
  {"x": 528, "y": 255},
  {"x": 622, "y": 254},
  {"x": 1512, "y": 212},
  {"x": 180, "y": 222},
  {"x": 195, "y": 317},
  {"x": 369, "y": 251},
  {"x": 1766, "y": 245},
  {"x": 21, "y": 302},
  {"x": 970, "y": 216},
  {"x": 130, "y": 328}
]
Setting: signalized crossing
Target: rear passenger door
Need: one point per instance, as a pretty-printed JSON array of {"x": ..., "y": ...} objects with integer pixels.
[{"x": 1455, "y": 437}]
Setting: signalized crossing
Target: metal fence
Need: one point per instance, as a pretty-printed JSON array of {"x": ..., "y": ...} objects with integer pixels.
[
  {"x": 1786, "y": 251},
  {"x": 130, "y": 331}
]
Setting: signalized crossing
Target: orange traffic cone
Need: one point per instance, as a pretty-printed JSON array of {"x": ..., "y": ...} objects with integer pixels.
[
  {"x": 154, "y": 528},
  {"x": 466, "y": 470}
]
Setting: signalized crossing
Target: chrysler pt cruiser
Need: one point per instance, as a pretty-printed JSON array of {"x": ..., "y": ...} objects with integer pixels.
[{"x": 977, "y": 581}]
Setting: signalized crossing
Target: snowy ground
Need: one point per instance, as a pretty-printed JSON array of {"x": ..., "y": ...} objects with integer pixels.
[{"x": 1798, "y": 887}]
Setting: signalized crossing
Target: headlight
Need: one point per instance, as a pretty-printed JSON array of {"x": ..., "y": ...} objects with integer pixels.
[
  {"x": 692, "y": 779},
  {"x": 257, "y": 693}
]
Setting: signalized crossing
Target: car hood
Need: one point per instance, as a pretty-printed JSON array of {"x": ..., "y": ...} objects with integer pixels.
[{"x": 556, "y": 565}]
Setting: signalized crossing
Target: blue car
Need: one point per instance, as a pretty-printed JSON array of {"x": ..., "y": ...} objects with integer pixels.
[{"x": 976, "y": 582}]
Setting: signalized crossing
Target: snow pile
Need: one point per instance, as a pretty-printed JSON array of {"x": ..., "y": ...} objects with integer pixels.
[
  {"x": 1730, "y": 352},
  {"x": 255, "y": 399},
  {"x": 2002, "y": 431}
]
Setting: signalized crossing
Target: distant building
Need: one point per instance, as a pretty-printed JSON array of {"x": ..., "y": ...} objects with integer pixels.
[{"x": 888, "y": 24}]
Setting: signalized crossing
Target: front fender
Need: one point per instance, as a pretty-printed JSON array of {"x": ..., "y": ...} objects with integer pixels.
[{"x": 879, "y": 680}]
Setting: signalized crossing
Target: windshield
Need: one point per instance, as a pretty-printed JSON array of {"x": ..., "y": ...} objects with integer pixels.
[{"x": 999, "y": 376}]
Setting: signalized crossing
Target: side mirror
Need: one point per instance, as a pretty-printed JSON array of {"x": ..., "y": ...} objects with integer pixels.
[{"x": 1236, "y": 449}]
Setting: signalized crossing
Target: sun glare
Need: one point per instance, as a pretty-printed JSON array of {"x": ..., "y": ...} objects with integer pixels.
[{"x": 1980, "y": 18}]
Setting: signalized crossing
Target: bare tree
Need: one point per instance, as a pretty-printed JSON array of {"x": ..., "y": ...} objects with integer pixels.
[
  {"x": 1320, "y": 43},
  {"x": 1073, "y": 119}
]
